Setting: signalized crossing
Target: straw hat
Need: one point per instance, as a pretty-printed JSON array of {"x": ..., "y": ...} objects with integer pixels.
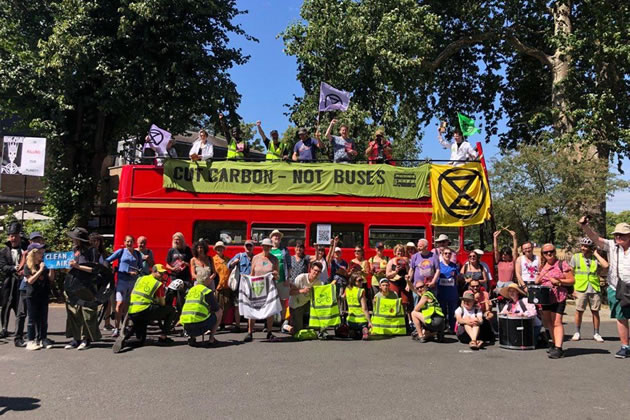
[
  {"x": 504, "y": 291},
  {"x": 276, "y": 232},
  {"x": 622, "y": 229}
]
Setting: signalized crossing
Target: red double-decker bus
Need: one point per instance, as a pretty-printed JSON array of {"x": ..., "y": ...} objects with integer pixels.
[{"x": 146, "y": 208}]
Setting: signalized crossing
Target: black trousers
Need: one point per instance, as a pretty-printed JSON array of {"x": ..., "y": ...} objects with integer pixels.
[
  {"x": 20, "y": 316},
  {"x": 37, "y": 317},
  {"x": 10, "y": 300},
  {"x": 153, "y": 313}
]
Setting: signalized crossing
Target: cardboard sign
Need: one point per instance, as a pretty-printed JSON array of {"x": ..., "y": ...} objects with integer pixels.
[{"x": 58, "y": 260}]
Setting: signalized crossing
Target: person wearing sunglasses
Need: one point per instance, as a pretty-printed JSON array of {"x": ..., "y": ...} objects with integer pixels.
[
  {"x": 379, "y": 150},
  {"x": 619, "y": 271},
  {"x": 427, "y": 315},
  {"x": 557, "y": 275},
  {"x": 472, "y": 270}
]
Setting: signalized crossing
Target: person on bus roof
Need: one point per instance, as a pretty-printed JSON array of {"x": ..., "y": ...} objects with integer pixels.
[
  {"x": 379, "y": 150},
  {"x": 238, "y": 149},
  {"x": 461, "y": 150},
  {"x": 344, "y": 149},
  {"x": 305, "y": 149},
  {"x": 201, "y": 149},
  {"x": 276, "y": 150}
]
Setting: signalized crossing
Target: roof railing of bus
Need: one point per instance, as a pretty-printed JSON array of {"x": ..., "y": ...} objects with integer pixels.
[{"x": 223, "y": 159}]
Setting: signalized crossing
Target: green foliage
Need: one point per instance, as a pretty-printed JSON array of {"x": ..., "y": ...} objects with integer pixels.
[
  {"x": 88, "y": 73},
  {"x": 613, "y": 219},
  {"x": 540, "y": 192},
  {"x": 552, "y": 70}
]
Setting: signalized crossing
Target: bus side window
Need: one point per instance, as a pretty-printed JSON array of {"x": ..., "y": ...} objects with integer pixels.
[
  {"x": 230, "y": 232},
  {"x": 291, "y": 233},
  {"x": 451, "y": 232},
  {"x": 393, "y": 235},
  {"x": 350, "y": 234}
]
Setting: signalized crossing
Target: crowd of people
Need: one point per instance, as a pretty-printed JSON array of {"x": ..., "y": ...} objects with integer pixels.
[
  {"x": 307, "y": 148},
  {"x": 194, "y": 288}
]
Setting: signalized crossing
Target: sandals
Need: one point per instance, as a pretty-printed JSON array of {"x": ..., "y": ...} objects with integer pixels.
[{"x": 474, "y": 345}]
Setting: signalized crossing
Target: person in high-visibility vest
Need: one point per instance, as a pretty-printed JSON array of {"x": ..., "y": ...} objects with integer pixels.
[
  {"x": 300, "y": 296},
  {"x": 587, "y": 288},
  {"x": 358, "y": 316},
  {"x": 276, "y": 150},
  {"x": 324, "y": 311},
  {"x": 201, "y": 309},
  {"x": 427, "y": 316},
  {"x": 237, "y": 149},
  {"x": 147, "y": 304}
]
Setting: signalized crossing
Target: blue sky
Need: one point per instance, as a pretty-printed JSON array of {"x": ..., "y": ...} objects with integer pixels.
[{"x": 268, "y": 80}]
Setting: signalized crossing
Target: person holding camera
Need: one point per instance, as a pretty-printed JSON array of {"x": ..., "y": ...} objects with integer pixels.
[
  {"x": 379, "y": 150},
  {"x": 619, "y": 272}
]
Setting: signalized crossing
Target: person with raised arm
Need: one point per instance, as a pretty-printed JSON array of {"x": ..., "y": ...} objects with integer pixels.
[
  {"x": 619, "y": 271},
  {"x": 276, "y": 150},
  {"x": 461, "y": 149},
  {"x": 237, "y": 149}
]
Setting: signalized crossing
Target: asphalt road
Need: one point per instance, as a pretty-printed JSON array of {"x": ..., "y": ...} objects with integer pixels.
[{"x": 393, "y": 378}]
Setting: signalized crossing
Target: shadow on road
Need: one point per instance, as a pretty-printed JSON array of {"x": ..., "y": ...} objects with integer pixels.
[
  {"x": 572, "y": 352},
  {"x": 18, "y": 404}
]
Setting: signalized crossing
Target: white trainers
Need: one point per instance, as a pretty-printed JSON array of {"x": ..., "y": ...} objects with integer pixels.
[
  {"x": 115, "y": 332},
  {"x": 32, "y": 345},
  {"x": 84, "y": 345},
  {"x": 598, "y": 338},
  {"x": 576, "y": 337}
]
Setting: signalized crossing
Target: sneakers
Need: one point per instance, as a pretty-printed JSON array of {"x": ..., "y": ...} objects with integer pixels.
[
  {"x": 4, "y": 334},
  {"x": 32, "y": 345},
  {"x": 19, "y": 342},
  {"x": 576, "y": 337},
  {"x": 285, "y": 328},
  {"x": 47, "y": 344},
  {"x": 84, "y": 345},
  {"x": 72, "y": 345},
  {"x": 115, "y": 332},
  {"x": 323, "y": 335},
  {"x": 556, "y": 353},
  {"x": 598, "y": 338},
  {"x": 622, "y": 353},
  {"x": 192, "y": 341},
  {"x": 248, "y": 338}
]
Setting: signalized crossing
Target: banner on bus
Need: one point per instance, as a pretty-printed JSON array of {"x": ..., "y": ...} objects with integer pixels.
[
  {"x": 459, "y": 195},
  {"x": 297, "y": 178}
]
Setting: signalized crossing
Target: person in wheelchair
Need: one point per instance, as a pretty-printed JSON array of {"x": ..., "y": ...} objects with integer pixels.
[{"x": 148, "y": 304}]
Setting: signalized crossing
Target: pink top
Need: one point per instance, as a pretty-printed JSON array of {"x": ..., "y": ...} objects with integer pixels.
[
  {"x": 559, "y": 293},
  {"x": 513, "y": 308},
  {"x": 505, "y": 270}
]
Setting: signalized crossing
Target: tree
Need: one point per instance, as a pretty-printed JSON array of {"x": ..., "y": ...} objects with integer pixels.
[
  {"x": 87, "y": 73},
  {"x": 552, "y": 70},
  {"x": 541, "y": 193}
]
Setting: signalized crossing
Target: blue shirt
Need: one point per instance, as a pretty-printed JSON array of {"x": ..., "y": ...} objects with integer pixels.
[
  {"x": 306, "y": 150},
  {"x": 244, "y": 263},
  {"x": 126, "y": 262},
  {"x": 448, "y": 272}
]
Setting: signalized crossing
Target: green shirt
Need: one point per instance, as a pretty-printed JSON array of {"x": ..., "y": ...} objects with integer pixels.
[{"x": 277, "y": 252}]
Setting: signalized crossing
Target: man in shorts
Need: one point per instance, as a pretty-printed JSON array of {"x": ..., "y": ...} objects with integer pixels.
[
  {"x": 587, "y": 289},
  {"x": 619, "y": 259}
]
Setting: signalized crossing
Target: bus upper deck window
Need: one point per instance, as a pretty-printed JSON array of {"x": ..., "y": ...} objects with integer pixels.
[{"x": 230, "y": 232}]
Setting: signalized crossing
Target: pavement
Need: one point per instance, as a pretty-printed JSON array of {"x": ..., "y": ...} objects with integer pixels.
[{"x": 388, "y": 378}]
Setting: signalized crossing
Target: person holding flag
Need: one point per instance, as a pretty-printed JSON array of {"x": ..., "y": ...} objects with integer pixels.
[
  {"x": 461, "y": 150},
  {"x": 344, "y": 149}
]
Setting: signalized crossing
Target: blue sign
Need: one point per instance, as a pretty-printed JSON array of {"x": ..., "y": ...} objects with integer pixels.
[{"x": 54, "y": 260}]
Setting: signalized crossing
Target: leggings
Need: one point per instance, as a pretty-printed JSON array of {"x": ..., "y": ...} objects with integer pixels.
[{"x": 37, "y": 308}]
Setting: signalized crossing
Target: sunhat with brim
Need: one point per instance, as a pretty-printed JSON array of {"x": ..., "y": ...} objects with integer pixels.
[
  {"x": 410, "y": 245},
  {"x": 622, "y": 229},
  {"x": 383, "y": 280},
  {"x": 276, "y": 232},
  {"x": 505, "y": 290},
  {"x": 219, "y": 244},
  {"x": 79, "y": 234},
  {"x": 442, "y": 238},
  {"x": 266, "y": 242},
  {"x": 468, "y": 295},
  {"x": 478, "y": 252}
]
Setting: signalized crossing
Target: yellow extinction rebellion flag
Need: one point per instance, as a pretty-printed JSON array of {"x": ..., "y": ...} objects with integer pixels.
[{"x": 460, "y": 195}]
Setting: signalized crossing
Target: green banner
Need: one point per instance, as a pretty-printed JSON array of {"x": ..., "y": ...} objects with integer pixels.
[{"x": 297, "y": 178}]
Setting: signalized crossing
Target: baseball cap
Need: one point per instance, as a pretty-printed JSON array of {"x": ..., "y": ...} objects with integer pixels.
[
  {"x": 383, "y": 280},
  {"x": 468, "y": 295},
  {"x": 266, "y": 242},
  {"x": 34, "y": 245},
  {"x": 249, "y": 242},
  {"x": 159, "y": 268},
  {"x": 35, "y": 235},
  {"x": 337, "y": 249}
]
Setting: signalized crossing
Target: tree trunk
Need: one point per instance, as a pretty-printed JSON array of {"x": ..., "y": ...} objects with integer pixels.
[{"x": 561, "y": 64}]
